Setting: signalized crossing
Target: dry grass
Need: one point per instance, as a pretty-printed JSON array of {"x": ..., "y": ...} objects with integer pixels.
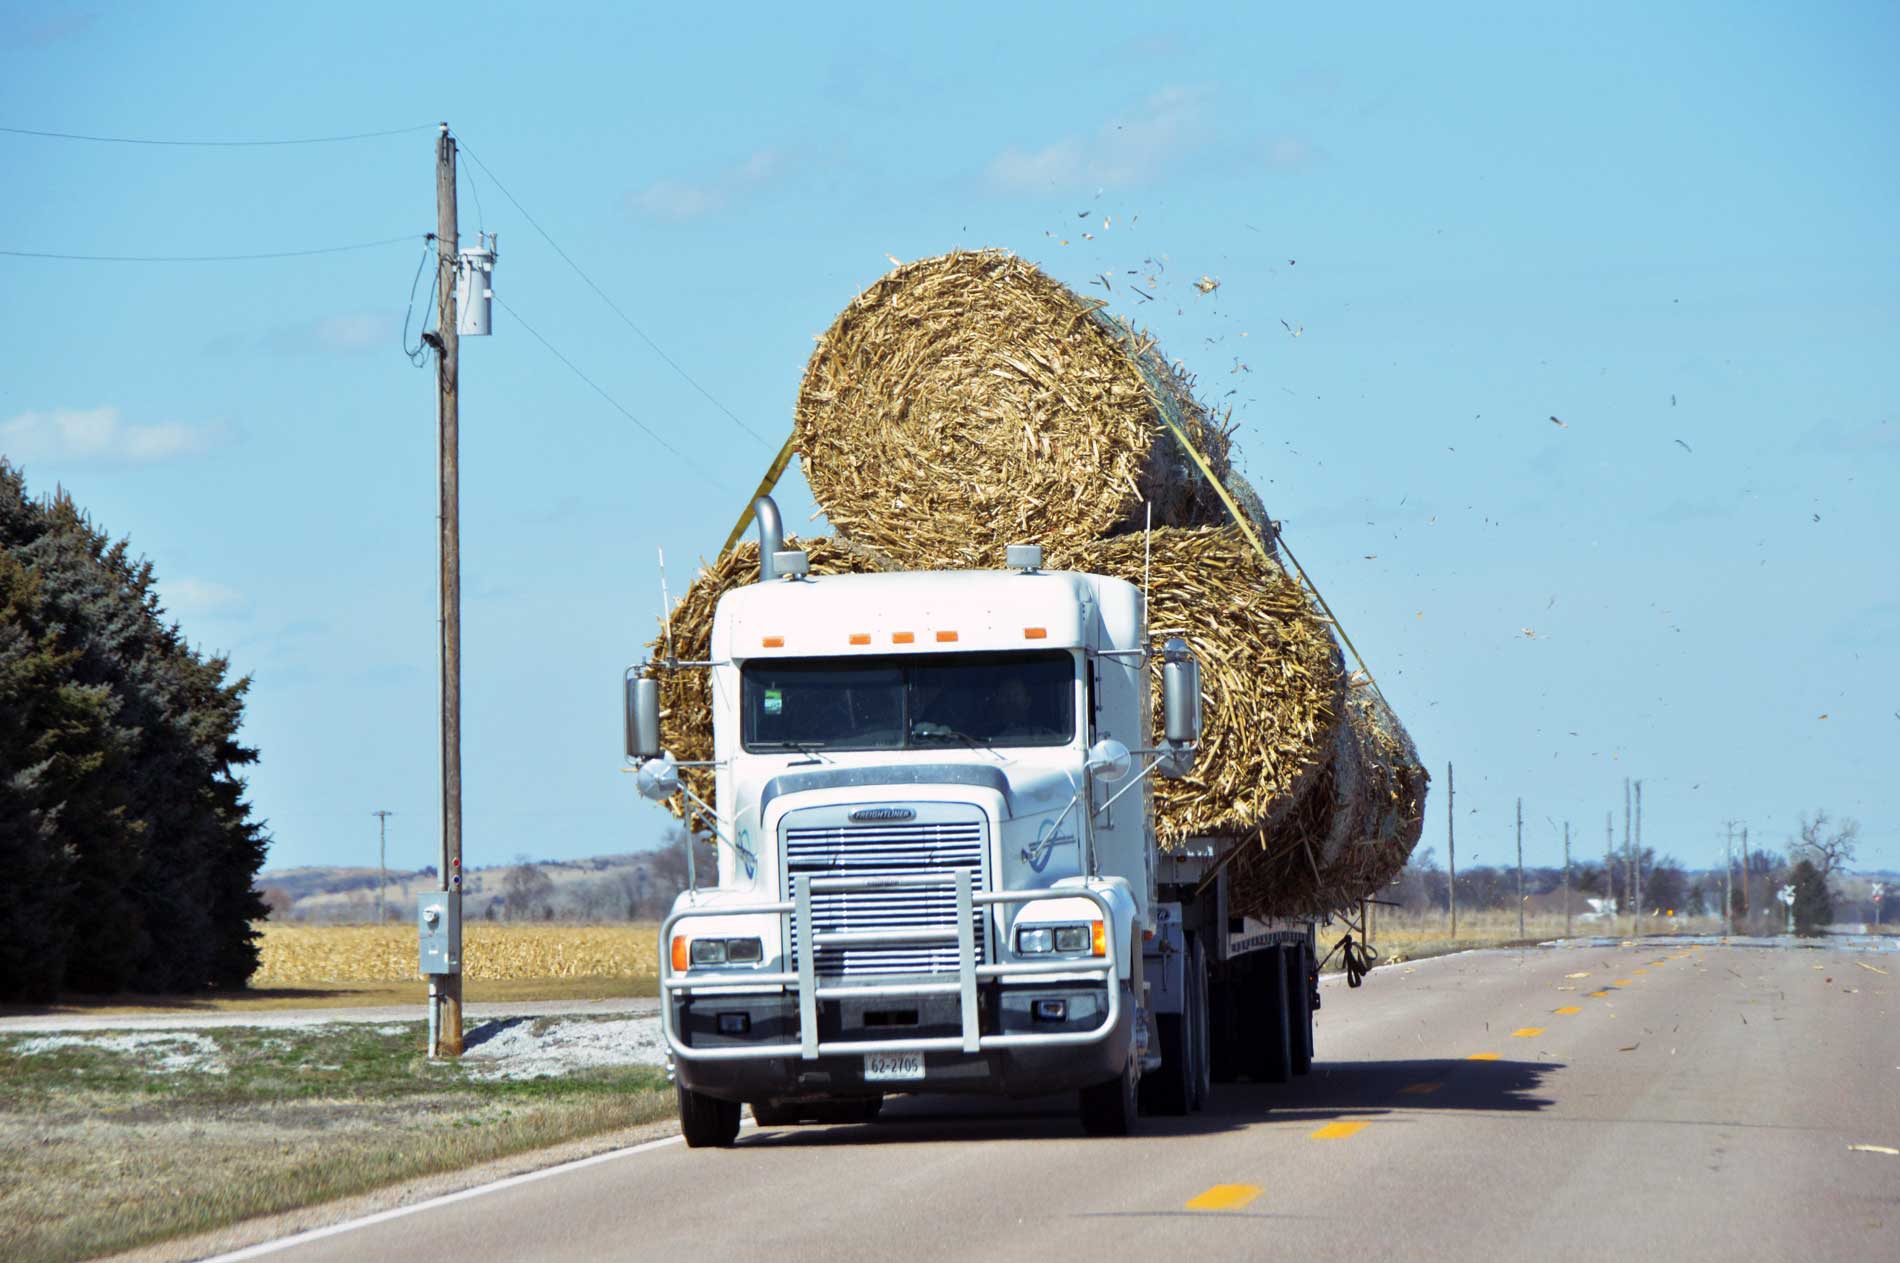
[
  {"x": 498, "y": 952},
  {"x": 1403, "y": 936}
]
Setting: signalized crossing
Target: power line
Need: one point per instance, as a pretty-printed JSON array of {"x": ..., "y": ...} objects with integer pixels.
[
  {"x": 214, "y": 144},
  {"x": 615, "y": 403},
  {"x": 206, "y": 258},
  {"x": 602, "y": 294}
]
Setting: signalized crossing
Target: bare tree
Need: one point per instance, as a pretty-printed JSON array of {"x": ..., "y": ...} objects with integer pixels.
[
  {"x": 1830, "y": 850},
  {"x": 527, "y": 891}
]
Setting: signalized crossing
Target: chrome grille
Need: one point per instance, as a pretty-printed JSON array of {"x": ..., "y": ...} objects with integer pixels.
[{"x": 875, "y": 850}]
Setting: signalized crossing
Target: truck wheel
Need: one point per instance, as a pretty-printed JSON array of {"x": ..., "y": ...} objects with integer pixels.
[
  {"x": 1270, "y": 1009},
  {"x": 775, "y": 1113},
  {"x": 1300, "y": 1010},
  {"x": 1170, "y": 1090},
  {"x": 1200, "y": 1073},
  {"x": 705, "y": 1121},
  {"x": 1110, "y": 1109}
]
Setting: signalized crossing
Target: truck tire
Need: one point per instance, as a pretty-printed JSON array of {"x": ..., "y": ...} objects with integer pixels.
[
  {"x": 705, "y": 1121},
  {"x": 1170, "y": 1090},
  {"x": 1300, "y": 1009},
  {"x": 1270, "y": 1010},
  {"x": 1200, "y": 1069},
  {"x": 1110, "y": 1109}
]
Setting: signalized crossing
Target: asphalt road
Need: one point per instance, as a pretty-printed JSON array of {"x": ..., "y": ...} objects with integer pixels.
[{"x": 1665, "y": 1101}]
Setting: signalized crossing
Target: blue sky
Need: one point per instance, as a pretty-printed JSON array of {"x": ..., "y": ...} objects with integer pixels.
[{"x": 1433, "y": 232}]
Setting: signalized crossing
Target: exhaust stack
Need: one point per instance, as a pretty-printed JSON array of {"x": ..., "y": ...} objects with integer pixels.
[{"x": 771, "y": 536}]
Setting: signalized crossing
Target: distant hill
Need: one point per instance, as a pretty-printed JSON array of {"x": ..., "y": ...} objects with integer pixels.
[{"x": 635, "y": 885}]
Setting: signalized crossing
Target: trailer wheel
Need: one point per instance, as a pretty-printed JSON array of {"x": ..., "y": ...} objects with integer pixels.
[
  {"x": 1170, "y": 1090},
  {"x": 705, "y": 1121},
  {"x": 1300, "y": 1009},
  {"x": 1269, "y": 1012}
]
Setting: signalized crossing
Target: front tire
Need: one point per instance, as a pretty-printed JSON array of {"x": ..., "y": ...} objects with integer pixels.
[
  {"x": 1110, "y": 1109},
  {"x": 707, "y": 1122}
]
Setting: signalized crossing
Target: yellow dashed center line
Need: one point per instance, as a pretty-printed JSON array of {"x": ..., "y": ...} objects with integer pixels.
[
  {"x": 1420, "y": 1089},
  {"x": 1639, "y": 971},
  {"x": 1625, "y": 982},
  {"x": 1598, "y": 995},
  {"x": 1567, "y": 1010},
  {"x": 1527, "y": 1032},
  {"x": 1482, "y": 1057},
  {"x": 1225, "y": 1197},
  {"x": 1337, "y": 1131}
]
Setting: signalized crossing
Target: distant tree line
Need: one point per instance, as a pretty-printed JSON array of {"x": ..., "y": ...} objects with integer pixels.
[{"x": 127, "y": 850}]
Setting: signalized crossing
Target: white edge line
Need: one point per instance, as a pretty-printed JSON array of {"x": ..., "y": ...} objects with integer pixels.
[{"x": 398, "y": 1212}]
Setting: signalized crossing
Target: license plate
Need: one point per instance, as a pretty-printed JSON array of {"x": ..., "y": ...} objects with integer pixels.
[{"x": 889, "y": 1067}]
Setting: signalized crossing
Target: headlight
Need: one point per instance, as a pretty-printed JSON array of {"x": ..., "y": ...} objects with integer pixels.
[
  {"x": 727, "y": 951},
  {"x": 1060, "y": 940}
]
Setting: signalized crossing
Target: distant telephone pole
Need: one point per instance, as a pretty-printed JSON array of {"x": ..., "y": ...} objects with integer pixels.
[
  {"x": 1609, "y": 866},
  {"x": 1451, "y": 848},
  {"x": 1639, "y": 859},
  {"x": 1520, "y": 868},
  {"x": 447, "y": 990},
  {"x": 1566, "y": 879},
  {"x": 1728, "y": 882},
  {"x": 382, "y": 860},
  {"x": 1629, "y": 864},
  {"x": 1745, "y": 877}
]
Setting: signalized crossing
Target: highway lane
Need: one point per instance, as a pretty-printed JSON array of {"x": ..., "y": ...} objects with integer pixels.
[{"x": 1690, "y": 1101}]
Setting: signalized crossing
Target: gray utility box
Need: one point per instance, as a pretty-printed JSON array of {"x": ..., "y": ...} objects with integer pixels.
[{"x": 439, "y": 922}]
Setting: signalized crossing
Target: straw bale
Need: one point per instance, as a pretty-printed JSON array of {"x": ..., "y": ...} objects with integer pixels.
[
  {"x": 686, "y": 717},
  {"x": 1273, "y": 682},
  {"x": 970, "y": 401},
  {"x": 1351, "y": 834}
]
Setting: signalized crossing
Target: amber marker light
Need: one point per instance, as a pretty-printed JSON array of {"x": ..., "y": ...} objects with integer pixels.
[
  {"x": 903, "y": 638},
  {"x": 679, "y": 953},
  {"x": 1035, "y": 633},
  {"x": 1098, "y": 938},
  {"x": 860, "y": 638},
  {"x": 946, "y": 638},
  {"x": 773, "y": 642}
]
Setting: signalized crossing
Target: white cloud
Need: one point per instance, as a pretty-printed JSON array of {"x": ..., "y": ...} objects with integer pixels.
[
  {"x": 680, "y": 201},
  {"x": 1163, "y": 130},
  {"x": 96, "y": 436},
  {"x": 200, "y": 598}
]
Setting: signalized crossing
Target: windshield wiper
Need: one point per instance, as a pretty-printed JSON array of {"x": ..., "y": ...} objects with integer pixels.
[
  {"x": 943, "y": 732},
  {"x": 809, "y": 749}
]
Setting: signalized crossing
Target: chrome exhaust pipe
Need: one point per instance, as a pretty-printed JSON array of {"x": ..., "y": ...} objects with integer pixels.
[{"x": 771, "y": 535}]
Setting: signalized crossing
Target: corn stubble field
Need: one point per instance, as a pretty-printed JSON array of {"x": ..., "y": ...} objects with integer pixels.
[{"x": 308, "y": 955}]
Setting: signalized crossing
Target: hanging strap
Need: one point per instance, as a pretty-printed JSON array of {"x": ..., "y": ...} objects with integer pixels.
[{"x": 772, "y": 475}]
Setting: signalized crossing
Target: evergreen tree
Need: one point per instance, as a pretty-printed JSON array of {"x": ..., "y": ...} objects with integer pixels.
[{"x": 1813, "y": 905}]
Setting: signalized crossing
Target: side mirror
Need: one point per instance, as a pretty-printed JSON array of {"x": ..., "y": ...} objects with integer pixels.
[
  {"x": 643, "y": 718},
  {"x": 1180, "y": 693},
  {"x": 658, "y": 779},
  {"x": 1108, "y": 759}
]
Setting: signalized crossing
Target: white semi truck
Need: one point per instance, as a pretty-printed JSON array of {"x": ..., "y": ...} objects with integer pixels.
[{"x": 937, "y": 865}]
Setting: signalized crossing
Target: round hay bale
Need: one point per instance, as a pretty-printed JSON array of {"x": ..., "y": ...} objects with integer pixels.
[
  {"x": 1351, "y": 834},
  {"x": 1273, "y": 682},
  {"x": 686, "y": 720},
  {"x": 970, "y": 401}
]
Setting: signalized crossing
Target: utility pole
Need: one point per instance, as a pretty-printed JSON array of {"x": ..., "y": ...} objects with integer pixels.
[
  {"x": 1566, "y": 879},
  {"x": 1520, "y": 869},
  {"x": 1745, "y": 877},
  {"x": 382, "y": 861},
  {"x": 1639, "y": 859},
  {"x": 1451, "y": 848},
  {"x": 447, "y": 989},
  {"x": 1609, "y": 864},
  {"x": 1629, "y": 880},
  {"x": 1728, "y": 883}
]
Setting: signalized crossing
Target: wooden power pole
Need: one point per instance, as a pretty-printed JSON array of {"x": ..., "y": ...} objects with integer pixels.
[
  {"x": 1451, "y": 848},
  {"x": 1609, "y": 866},
  {"x": 1520, "y": 869},
  {"x": 1638, "y": 853},
  {"x": 448, "y": 365}
]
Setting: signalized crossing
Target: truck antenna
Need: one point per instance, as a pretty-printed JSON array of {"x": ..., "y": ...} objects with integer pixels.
[
  {"x": 666, "y": 607},
  {"x": 1147, "y": 550}
]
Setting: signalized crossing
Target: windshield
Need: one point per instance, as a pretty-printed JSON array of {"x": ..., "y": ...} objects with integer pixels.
[{"x": 925, "y": 701}]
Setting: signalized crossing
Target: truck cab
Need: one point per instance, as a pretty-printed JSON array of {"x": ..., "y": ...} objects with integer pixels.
[{"x": 936, "y": 850}]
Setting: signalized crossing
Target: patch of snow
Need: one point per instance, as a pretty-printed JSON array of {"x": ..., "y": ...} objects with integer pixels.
[
  {"x": 162, "y": 1052},
  {"x": 513, "y": 1049}
]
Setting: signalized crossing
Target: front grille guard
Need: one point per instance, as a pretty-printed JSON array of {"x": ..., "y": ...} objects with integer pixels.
[{"x": 804, "y": 981}]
